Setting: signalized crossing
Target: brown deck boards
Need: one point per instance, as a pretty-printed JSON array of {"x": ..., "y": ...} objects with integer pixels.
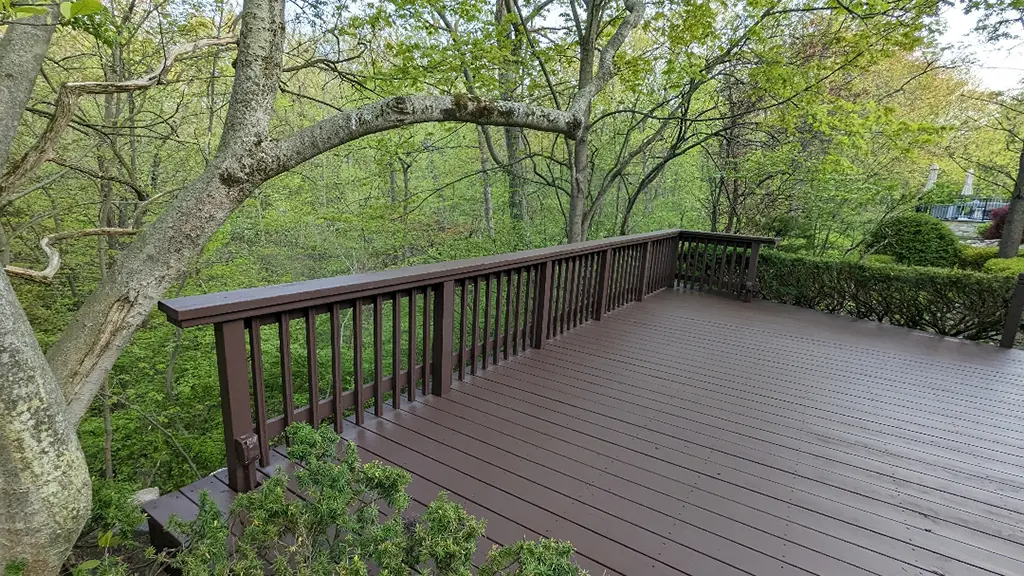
[{"x": 694, "y": 434}]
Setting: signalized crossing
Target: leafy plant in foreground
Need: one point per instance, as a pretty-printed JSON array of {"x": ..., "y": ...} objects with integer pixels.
[{"x": 338, "y": 527}]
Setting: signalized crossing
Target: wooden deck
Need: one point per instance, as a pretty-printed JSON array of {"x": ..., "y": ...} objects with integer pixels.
[{"x": 694, "y": 434}]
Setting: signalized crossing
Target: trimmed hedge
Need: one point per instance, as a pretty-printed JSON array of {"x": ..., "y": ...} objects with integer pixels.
[
  {"x": 975, "y": 257},
  {"x": 959, "y": 303},
  {"x": 916, "y": 239},
  {"x": 1011, "y": 266}
]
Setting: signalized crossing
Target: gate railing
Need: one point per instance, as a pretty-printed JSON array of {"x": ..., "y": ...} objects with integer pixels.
[{"x": 337, "y": 346}]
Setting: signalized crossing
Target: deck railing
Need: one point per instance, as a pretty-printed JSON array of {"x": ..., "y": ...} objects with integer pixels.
[{"x": 420, "y": 327}]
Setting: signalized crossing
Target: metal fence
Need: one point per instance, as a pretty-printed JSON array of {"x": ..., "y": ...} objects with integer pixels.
[{"x": 977, "y": 210}]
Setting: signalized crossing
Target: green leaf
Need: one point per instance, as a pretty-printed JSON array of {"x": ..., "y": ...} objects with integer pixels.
[
  {"x": 65, "y": 9},
  {"x": 84, "y": 7},
  {"x": 89, "y": 564},
  {"x": 106, "y": 539}
]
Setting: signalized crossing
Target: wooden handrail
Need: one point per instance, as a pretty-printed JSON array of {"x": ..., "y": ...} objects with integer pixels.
[
  {"x": 454, "y": 318},
  {"x": 220, "y": 306}
]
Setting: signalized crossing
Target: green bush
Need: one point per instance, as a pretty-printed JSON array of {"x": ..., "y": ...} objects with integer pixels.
[
  {"x": 975, "y": 257},
  {"x": 879, "y": 259},
  {"x": 1006, "y": 266},
  {"x": 916, "y": 239},
  {"x": 960, "y": 303}
]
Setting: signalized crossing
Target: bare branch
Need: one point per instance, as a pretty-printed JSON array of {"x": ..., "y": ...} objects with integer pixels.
[
  {"x": 605, "y": 67},
  {"x": 53, "y": 256},
  {"x": 70, "y": 92}
]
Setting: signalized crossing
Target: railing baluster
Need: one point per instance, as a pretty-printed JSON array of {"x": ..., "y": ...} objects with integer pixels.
[
  {"x": 476, "y": 325},
  {"x": 508, "y": 315},
  {"x": 259, "y": 390},
  {"x": 580, "y": 290},
  {"x": 498, "y": 300},
  {"x": 396, "y": 350},
  {"x": 604, "y": 277},
  {"x": 427, "y": 350},
  {"x": 566, "y": 294},
  {"x": 378, "y": 355},
  {"x": 691, "y": 264},
  {"x": 462, "y": 328},
  {"x": 313, "y": 370},
  {"x": 357, "y": 357},
  {"x": 284, "y": 335},
  {"x": 444, "y": 304},
  {"x": 585, "y": 300},
  {"x": 542, "y": 303},
  {"x": 520, "y": 324},
  {"x": 623, "y": 270},
  {"x": 559, "y": 297},
  {"x": 645, "y": 265},
  {"x": 523, "y": 336},
  {"x": 570, "y": 295},
  {"x": 487, "y": 321},
  {"x": 336, "y": 368},
  {"x": 232, "y": 368},
  {"x": 515, "y": 306},
  {"x": 410, "y": 389}
]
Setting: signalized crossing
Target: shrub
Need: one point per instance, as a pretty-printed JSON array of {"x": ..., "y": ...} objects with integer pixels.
[
  {"x": 916, "y": 239},
  {"x": 337, "y": 529},
  {"x": 960, "y": 303},
  {"x": 995, "y": 227},
  {"x": 1006, "y": 266},
  {"x": 879, "y": 259},
  {"x": 974, "y": 258},
  {"x": 982, "y": 229}
]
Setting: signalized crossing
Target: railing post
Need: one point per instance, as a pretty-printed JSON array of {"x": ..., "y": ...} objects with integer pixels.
[
  {"x": 673, "y": 262},
  {"x": 604, "y": 282},
  {"x": 1013, "y": 314},
  {"x": 444, "y": 302},
  {"x": 645, "y": 267},
  {"x": 751, "y": 286},
  {"x": 240, "y": 442},
  {"x": 542, "y": 304}
]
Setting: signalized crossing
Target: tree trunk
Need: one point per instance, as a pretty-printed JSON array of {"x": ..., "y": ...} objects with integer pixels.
[
  {"x": 45, "y": 490},
  {"x": 515, "y": 171},
  {"x": 485, "y": 181},
  {"x": 22, "y": 50},
  {"x": 1014, "y": 227}
]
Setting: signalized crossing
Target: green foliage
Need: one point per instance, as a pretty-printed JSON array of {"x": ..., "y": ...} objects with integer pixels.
[
  {"x": 115, "y": 515},
  {"x": 338, "y": 529},
  {"x": 15, "y": 568},
  {"x": 975, "y": 257},
  {"x": 879, "y": 259},
  {"x": 960, "y": 303},
  {"x": 528, "y": 558},
  {"x": 1006, "y": 266},
  {"x": 106, "y": 566},
  {"x": 915, "y": 239}
]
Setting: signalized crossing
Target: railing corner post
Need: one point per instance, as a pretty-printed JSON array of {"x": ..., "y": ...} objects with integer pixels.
[
  {"x": 1013, "y": 314},
  {"x": 233, "y": 370},
  {"x": 542, "y": 308},
  {"x": 670, "y": 281},
  {"x": 444, "y": 304},
  {"x": 604, "y": 283},
  {"x": 751, "y": 285}
]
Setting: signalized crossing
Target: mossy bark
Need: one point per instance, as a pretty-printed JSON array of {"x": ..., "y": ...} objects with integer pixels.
[{"x": 44, "y": 482}]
